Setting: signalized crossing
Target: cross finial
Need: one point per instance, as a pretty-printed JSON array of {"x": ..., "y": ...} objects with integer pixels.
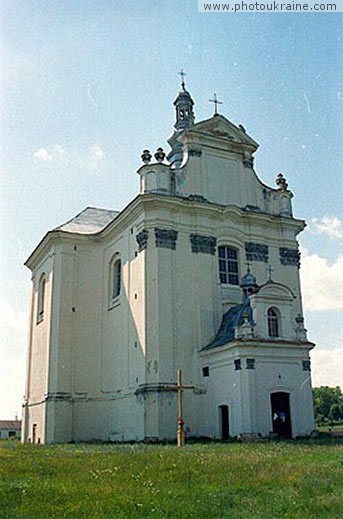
[
  {"x": 270, "y": 270},
  {"x": 182, "y": 74},
  {"x": 248, "y": 266},
  {"x": 216, "y": 103}
]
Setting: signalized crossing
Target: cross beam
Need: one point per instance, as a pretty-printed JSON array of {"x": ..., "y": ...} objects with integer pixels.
[
  {"x": 270, "y": 270},
  {"x": 182, "y": 74},
  {"x": 216, "y": 103},
  {"x": 179, "y": 387}
]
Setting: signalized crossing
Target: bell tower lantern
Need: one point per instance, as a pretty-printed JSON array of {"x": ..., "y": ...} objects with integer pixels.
[
  {"x": 184, "y": 119},
  {"x": 184, "y": 107}
]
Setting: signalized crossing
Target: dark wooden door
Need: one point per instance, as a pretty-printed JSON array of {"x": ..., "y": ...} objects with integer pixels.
[
  {"x": 224, "y": 421},
  {"x": 281, "y": 415}
]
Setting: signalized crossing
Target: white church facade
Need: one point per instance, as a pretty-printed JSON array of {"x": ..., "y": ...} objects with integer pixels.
[{"x": 200, "y": 272}]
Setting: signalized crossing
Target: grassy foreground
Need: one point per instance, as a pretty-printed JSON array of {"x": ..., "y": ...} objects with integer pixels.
[{"x": 263, "y": 480}]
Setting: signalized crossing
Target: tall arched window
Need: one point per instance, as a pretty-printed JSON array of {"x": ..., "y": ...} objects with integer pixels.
[
  {"x": 41, "y": 298},
  {"x": 228, "y": 265},
  {"x": 273, "y": 317},
  {"x": 115, "y": 278}
]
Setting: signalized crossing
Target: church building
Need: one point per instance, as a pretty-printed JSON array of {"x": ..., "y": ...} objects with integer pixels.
[{"x": 199, "y": 272}]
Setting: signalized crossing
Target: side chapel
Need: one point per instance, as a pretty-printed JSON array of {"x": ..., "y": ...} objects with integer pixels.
[{"x": 199, "y": 272}]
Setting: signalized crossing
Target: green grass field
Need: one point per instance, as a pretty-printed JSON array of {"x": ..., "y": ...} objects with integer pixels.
[{"x": 261, "y": 480}]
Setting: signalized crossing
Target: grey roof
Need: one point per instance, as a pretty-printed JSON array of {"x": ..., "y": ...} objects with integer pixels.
[
  {"x": 232, "y": 318},
  {"x": 13, "y": 425},
  {"x": 90, "y": 221}
]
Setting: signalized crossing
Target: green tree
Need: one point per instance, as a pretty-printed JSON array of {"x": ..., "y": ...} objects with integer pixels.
[
  {"x": 336, "y": 413},
  {"x": 324, "y": 398}
]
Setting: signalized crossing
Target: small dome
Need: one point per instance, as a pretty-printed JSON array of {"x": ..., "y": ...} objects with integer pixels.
[
  {"x": 248, "y": 285},
  {"x": 184, "y": 95},
  {"x": 248, "y": 281}
]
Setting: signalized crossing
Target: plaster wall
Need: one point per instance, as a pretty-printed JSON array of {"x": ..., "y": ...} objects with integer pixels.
[
  {"x": 41, "y": 329},
  {"x": 186, "y": 302},
  {"x": 247, "y": 391}
]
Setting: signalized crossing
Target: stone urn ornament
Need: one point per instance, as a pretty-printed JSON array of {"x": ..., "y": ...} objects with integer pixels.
[
  {"x": 146, "y": 157},
  {"x": 160, "y": 155}
]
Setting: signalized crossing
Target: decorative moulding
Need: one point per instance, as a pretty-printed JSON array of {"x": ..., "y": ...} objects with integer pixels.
[
  {"x": 142, "y": 239},
  {"x": 165, "y": 238},
  {"x": 205, "y": 244},
  {"x": 248, "y": 163},
  {"x": 289, "y": 257},
  {"x": 256, "y": 252},
  {"x": 194, "y": 153}
]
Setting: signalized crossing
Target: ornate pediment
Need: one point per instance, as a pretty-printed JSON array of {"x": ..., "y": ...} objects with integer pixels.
[
  {"x": 274, "y": 290},
  {"x": 221, "y": 128}
]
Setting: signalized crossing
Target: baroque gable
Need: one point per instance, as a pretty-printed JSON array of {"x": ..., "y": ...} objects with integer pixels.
[{"x": 220, "y": 128}]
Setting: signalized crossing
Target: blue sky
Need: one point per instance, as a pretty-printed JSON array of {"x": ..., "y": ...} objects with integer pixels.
[{"x": 88, "y": 84}]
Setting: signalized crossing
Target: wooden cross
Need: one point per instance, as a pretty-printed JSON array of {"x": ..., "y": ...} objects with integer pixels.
[
  {"x": 182, "y": 74},
  {"x": 216, "y": 103},
  {"x": 179, "y": 387}
]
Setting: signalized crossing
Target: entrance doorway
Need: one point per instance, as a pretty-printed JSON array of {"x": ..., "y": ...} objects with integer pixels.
[
  {"x": 224, "y": 422},
  {"x": 281, "y": 416}
]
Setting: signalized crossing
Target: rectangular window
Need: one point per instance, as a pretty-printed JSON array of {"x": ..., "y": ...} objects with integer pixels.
[
  {"x": 250, "y": 363},
  {"x": 228, "y": 265},
  {"x": 238, "y": 364},
  {"x": 306, "y": 365},
  {"x": 116, "y": 278},
  {"x": 205, "y": 371},
  {"x": 273, "y": 322},
  {"x": 41, "y": 299}
]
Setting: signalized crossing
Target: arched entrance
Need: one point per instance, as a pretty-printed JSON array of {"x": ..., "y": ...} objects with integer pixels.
[
  {"x": 224, "y": 426},
  {"x": 281, "y": 416}
]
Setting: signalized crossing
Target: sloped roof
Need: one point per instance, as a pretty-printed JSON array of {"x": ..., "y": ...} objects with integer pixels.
[
  {"x": 10, "y": 425},
  {"x": 232, "y": 318},
  {"x": 90, "y": 221}
]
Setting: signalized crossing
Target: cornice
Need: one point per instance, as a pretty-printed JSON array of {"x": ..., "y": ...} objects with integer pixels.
[
  {"x": 258, "y": 343},
  {"x": 144, "y": 203}
]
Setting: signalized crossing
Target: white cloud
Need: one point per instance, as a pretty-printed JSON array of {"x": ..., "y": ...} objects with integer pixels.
[
  {"x": 12, "y": 386},
  {"x": 13, "y": 343},
  {"x": 55, "y": 151},
  {"x": 329, "y": 225},
  {"x": 96, "y": 152},
  {"x": 42, "y": 154},
  {"x": 327, "y": 367},
  {"x": 322, "y": 284},
  {"x": 58, "y": 149},
  {"x": 10, "y": 319}
]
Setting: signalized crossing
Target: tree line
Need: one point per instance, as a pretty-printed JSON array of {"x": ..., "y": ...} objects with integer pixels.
[{"x": 328, "y": 405}]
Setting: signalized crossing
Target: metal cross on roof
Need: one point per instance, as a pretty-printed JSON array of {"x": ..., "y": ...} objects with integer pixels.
[
  {"x": 182, "y": 74},
  {"x": 216, "y": 103}
]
